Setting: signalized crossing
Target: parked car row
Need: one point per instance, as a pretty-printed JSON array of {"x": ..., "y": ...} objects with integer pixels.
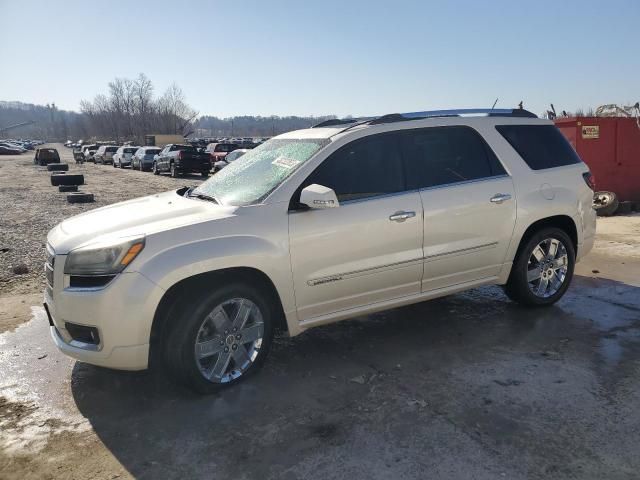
[
  {"x": 17, "y": 147},
  {"x": 175, "y": 159}
]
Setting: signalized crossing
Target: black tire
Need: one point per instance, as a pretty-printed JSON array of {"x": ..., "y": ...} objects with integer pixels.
[
  {"x": 154, "y": 168},
  {"x": 625, "y": 207},
  {"x": 114, "y": 165},
  {"x": 180, "y": 338},
  {"x": 80, "y": 197},
  {"x": 518, "y": 287},
  {"x": 605, "y": 203},
  {"x": 58, "y": 167},
  {"x": 140, "y": 166},
  {"x": 66, "y": 179},
  {"x": 68, "y": 188},
  {"x": 205, "y": 173},
  {"x": 173, "y": 171}
]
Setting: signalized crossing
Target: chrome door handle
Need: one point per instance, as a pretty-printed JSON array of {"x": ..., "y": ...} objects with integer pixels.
[
  {"x": 401, "y": 216},
  {"x": 500, "y": 197}
]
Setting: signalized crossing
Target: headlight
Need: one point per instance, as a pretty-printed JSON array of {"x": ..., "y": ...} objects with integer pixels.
[{"x": 103, "y": 259}]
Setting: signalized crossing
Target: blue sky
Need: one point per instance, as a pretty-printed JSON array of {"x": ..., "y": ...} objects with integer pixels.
[{"x": 316, "y": 58}]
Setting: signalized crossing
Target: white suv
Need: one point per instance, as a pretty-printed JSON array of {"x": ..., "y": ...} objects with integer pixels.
[{"x": 315, "y": 226}]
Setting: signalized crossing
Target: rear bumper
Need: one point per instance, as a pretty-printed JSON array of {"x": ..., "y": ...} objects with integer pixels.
[
  {"x": 200, "y": 167},
  {"x": 585, "y": 247}
]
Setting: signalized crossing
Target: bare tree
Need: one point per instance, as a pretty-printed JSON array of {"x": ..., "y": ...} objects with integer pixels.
[
  {"x": 175, "y": 114},
  {"x": 143, "y": 98},
  {"x": 129, "y": 110}
]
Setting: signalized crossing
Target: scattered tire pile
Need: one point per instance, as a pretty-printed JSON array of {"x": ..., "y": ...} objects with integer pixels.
[
  {"x": 68, "y": 183},
  {"x": 607, "y": 204}
]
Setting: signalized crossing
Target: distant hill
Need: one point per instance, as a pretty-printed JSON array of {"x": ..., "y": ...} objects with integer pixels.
[{"x": 51, "y": 123}]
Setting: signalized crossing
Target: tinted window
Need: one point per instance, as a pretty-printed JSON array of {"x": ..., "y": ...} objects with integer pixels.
[
  {"x": 441, "y": 156},
  {"x": 364, "y": 168},
  {"x": 151, "y": 151},
  {"x": 111, "y": 149},
  {"x": 183, "y": 148},
  {"x": 226, "y": 147},
  {"x": 540, "y": 146}
]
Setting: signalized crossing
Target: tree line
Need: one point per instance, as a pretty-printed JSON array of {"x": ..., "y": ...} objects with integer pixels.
[{"x": 129, "y": 110}]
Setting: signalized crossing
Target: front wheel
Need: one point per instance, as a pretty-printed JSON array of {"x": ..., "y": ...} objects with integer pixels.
[
  {"x": 173, "y": 171},
  {"x": 154, "y": 169},
  {"x": 543, "y": 269},
  {"x": 221, "y": 339}
]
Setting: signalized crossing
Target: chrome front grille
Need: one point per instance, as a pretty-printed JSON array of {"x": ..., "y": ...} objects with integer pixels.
[{"x": 49, "y": 265}]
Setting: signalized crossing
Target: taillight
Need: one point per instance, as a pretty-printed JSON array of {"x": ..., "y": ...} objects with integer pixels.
[
  {"x": 180, "y": 155},
  {"x": 589, "y": 180}
]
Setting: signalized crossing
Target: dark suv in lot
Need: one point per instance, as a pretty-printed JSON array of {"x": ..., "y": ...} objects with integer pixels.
[
  {"x": 45, "y": 156},
  {"x": 179, "y": 159}
]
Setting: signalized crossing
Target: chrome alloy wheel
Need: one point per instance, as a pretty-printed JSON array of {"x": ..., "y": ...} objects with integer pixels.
[
  {"x": 229, "y": 340},
  {"x": 547, "y": 267}
]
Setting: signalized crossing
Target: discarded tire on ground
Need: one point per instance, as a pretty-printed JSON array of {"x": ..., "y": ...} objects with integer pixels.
[
  {"x": 58, "y": 167},
  {"x": 605, "y": 203},
  {"x": 80, "y": 197},
  {"x": 66, "y": 179},
  {"x": 625, "y": 207},
  {"x": 68, "y": 188}
]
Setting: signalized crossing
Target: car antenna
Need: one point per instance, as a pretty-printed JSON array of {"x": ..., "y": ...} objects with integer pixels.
[{"x": 494, "y": 104}]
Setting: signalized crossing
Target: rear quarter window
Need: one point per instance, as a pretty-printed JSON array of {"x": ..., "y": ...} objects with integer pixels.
[{"x": 540, "y": 146}]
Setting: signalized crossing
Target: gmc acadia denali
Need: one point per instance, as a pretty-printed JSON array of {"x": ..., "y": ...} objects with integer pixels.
[{"x": 314, "y": 226}]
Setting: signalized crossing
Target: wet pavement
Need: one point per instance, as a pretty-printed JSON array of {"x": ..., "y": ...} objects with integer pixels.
[{"x": 467, "y": 386}]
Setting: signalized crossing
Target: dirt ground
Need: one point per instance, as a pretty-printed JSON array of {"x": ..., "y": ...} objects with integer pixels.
[
  {"x": 467, "y": 386},
  {"x": 31, "y": 207}
]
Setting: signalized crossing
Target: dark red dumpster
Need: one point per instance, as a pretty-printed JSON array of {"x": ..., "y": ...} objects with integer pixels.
[{"x": 611, "y": 148}]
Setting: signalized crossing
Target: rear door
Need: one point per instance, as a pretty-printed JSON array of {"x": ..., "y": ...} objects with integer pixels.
[
  {"x": 469, "y": 204},
  {"x": 367, "y": 250}
]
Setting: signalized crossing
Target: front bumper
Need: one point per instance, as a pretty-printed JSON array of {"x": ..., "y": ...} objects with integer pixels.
[{"x": 122, "y": 312}]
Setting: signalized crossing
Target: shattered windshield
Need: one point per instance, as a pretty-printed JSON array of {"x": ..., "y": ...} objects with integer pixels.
[{"x": 255, "y": 174}]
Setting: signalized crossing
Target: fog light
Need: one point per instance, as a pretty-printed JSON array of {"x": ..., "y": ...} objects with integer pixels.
[{"x": 82, "y": 333}]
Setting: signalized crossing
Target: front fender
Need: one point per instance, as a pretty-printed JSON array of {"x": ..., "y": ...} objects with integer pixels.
[{"x": 176, "y": 263}]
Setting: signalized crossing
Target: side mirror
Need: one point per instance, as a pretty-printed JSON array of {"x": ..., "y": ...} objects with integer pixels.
[{"x": 319, "y": 197}]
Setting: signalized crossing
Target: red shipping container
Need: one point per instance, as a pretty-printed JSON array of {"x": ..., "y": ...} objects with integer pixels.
[{"x": 611, "y": 148}]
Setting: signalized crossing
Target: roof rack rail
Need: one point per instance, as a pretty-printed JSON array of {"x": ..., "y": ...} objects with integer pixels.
[
  {"x": 334, "y": 121},
  {"x": 403, "y": 117},
  {"x": 489, "y": 112}
]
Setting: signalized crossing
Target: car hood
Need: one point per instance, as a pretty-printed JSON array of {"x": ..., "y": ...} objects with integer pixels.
[{"x": 141, "y": 216}]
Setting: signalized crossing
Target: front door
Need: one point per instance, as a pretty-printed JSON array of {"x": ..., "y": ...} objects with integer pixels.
[{"x": 367, "y": 250}]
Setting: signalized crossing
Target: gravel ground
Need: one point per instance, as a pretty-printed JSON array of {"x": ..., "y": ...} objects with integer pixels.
[{"x": 31, "y": 207}]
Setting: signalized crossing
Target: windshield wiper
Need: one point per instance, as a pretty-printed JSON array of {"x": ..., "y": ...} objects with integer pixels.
[{"x": 202, "y": 196}]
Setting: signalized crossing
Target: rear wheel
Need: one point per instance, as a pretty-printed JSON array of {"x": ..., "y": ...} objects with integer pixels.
[
  {"x": 543, "y": 269},
  {"x": 221, "y": 339},
  {"x": 174, "y": 172}
]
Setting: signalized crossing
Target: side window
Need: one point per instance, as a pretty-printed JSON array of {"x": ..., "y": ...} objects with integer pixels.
[
  {"x": 364, "y": 168},
  {"x": 540, "y": 146},
  {"x": 447, "y": 155}
]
